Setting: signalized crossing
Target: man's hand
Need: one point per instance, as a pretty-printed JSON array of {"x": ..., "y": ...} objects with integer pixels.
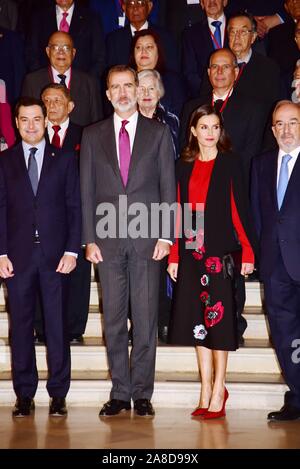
[
  {"x": 93, "y": 253},
  {"x": 66, "y": 264},
  {"x": 172, "y": 270},
  {"x": 161, "y": 250},
  {"x": 265, "y": 23},
  {"x": 247, "y": 269},
  {"x": 6, "y": 268}
]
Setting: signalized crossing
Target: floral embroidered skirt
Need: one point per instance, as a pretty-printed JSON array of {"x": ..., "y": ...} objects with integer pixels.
[{"x": 204, "y": 312}]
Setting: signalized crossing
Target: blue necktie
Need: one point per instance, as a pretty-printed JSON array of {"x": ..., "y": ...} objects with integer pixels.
[
  {"x": 33, "y": 170},
  {"x": 283, "y": 179},
  {"x": 217, "y": 34}
]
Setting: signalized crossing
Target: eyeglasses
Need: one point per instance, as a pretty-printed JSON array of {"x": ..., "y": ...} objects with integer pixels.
[
  {"x": 58, "y": 47},
  {"x": 280, "y": 125},
  {"x": 135, "y": 3},
  {"x": 147, "y": 90},
  {"x": 224, "y": 68},
  {"x": 239, "y": 32}
]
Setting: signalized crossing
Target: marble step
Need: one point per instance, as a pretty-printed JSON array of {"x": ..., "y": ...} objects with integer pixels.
[
  {"x": 257, "y": 325},
  {"x": 254, "y": 294},
  {"x": 262, "y": 391},
  {"x": 255, "y": 357}
]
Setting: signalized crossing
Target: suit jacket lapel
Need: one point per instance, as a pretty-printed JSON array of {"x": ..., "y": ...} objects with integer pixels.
[
  {"x": 292, "y": 181},
  {"x": 273, "y": 177},
  {"x": 21, "y": 168},
  {"x": 48, "y": 160},
  {"x": 109, "y": 147},
  {"x": 76, "y": 23},
  {"x": 142, "y": 134}
]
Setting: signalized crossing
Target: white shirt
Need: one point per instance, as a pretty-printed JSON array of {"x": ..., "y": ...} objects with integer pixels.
[
  {"x": 133, "y": 29},
  {"x": 215, "y": 97},
  {"x": 62, "y": 132},
  {"x": 245, "y": 59},
  {"x": 56, "y": 78},
  {"x": 39, "y": 155},
  {"x": 130, "y": 127},
  {"x": 59, "y": 15},
  {"x": 223, "y": 25},
  {"x": 294, "y": 154}
]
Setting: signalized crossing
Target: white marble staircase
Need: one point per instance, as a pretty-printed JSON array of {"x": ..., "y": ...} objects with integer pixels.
[{"x": 254, "y": 379}]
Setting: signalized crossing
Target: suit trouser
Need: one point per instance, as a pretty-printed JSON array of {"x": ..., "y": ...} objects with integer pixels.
[
  {"x": 78, "y": 300},
  {"x": 129, "y": 275},
  {"x": 22, "y": 292},
  {"x": 282, "y": 296}
]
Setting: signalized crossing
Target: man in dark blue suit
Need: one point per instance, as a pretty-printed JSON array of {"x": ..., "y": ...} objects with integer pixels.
[
  {"x": 40, "y": 235},
  {"x": 276, "y": 199}
]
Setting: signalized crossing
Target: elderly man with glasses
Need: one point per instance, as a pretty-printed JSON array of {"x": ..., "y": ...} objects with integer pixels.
[{"x": 83, "y": 87}]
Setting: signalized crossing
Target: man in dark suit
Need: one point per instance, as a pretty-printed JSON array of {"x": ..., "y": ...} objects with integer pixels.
[
  {"x": 83, "y": 87},
  {"x": 200, "y": 40},
  {"x": 244, "y": 118},
  {"x": 180, "y": 16},
  {"x": 275, "y": 200},
  {"x": 39, "y": 240},
  {"x": 63, "y": 133},
  {"x": 113, "y": 16},
  {"x": 133, "y": 165},
  {"x": 118, "y": 42},
  {"x": 259, "y": 76},
  {"x": 84, "y": 27}
]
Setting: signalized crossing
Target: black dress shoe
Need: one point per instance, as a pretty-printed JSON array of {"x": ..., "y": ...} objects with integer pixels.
[
  {"x": 163, "y": 334},
  {"x": 114, "y": 407},
  {"x": 58, "y": 407},
  {"x": 76, "y": 340},
  {"x": 39, "y": 339},
  {"x": 23, "y": 407},
  {"x": 287, "y": 412},
  {"x": 143, "y": 408}
]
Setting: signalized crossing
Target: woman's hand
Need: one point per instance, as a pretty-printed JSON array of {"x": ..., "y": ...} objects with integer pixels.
[
  {"x": 172, "y": 270},
  {"x": 247, "y": 269}
]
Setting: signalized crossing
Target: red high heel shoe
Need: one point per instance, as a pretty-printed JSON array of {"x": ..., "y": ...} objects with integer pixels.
[
  {"x": 221, "y": 413},
  {"x": 199, "y": 411}
]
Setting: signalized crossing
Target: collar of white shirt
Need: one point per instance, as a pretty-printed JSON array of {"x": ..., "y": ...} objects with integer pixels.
[
  {"x": 56, "y": 78},
  {"x": 133, "y": 29},
  {"x": 59, "y": 14},
  {"x": 63, "y": 128}
]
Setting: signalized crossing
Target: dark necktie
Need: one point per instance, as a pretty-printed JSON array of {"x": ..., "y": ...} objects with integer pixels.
[
  {"x": 56, "y": 139},
  {"x": 33, "y": 170},
  {"x": 241, "y": 64},
  {"x": 218, "y": 104},
  {"x": 124, "y": 152},
  {"x": 283, "y": 179},
  {"x": 62, "y": 78},
  {"x": 217, "y": 33}
]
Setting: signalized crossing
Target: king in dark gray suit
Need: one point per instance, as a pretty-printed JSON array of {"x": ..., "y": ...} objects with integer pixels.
[{"x": 131, "y": 156}]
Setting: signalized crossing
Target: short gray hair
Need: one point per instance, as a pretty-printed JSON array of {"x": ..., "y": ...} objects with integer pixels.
[{"x": 156, "y": 75}]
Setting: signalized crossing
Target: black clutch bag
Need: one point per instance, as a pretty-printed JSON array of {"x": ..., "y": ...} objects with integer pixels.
[{"x": 228, "y": 266}]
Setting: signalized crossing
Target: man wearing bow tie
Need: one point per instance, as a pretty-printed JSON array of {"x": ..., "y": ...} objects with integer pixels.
[{"x": 40, "y": 235}]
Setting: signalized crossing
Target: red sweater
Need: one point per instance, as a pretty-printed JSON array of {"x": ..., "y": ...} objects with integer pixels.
[{"x": 198, "y": 187}]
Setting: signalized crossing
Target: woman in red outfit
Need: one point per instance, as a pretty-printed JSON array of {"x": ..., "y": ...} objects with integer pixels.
[{"x": 215, "y": 224}]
